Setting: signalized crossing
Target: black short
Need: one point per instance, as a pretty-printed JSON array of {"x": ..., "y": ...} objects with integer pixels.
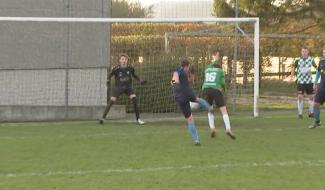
[
  {"x": 308, "y": 88},
  {"x": 183, "y": 94},
  {"x": 320, "y": 96},
  {"x": 117, "y": 91},
  {"x": 215, "y": 95},
  {"x": 183, "y": 100},
  {"x": 185, "y": 109}
]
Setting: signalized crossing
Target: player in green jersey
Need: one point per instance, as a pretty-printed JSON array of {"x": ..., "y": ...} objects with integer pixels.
[{"x": 214, "y": 83}]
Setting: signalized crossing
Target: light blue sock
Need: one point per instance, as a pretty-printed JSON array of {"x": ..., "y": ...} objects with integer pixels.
[
  {"x": 204, "y": 104},
  {"x": 317, "y": 114},
  {"x": 192, "y": 129}
]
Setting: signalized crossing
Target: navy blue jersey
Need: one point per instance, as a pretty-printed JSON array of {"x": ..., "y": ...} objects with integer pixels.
[
  {"x": 182, "y": 90},
  {"x": 321, "y": 69},
  {"x": 183, "y": 78}
]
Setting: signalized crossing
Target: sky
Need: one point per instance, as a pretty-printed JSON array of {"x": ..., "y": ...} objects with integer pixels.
[
  {"x": 150, "y": 2},
  {"x": 146, "y": 2}
]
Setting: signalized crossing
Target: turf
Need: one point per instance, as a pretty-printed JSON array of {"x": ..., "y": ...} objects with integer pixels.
[{"x": 271, "y": 152}]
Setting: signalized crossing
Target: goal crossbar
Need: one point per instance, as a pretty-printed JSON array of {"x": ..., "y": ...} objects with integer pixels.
[
  {"x": 125, "y": 20},
  {"x": 254, "y": 20}
]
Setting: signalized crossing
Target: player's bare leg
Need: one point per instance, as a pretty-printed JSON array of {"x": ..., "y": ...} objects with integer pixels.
[
  {"x": 300, "y": 104},
  {"x": 205, "y": 105},
  {"x": 211, "y": 122},
  {"x": 226, "y": 120},
  {"x": 107, "y": 109},
  {"x": 133, "y": 98}
]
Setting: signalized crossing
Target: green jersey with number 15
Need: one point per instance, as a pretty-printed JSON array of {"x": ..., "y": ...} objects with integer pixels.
[{"x": 214, "y": 78}]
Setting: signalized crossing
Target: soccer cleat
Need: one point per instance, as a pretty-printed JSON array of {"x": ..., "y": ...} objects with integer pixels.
[
  {"x": 311, "y": 115},
  {"x": 140, "y": 122},
  {"x": 314, "y": 125},
  {"x": 300, "y": 116},
  {"x": 231, "y": 135},
  {"x": 213, "y": 132},
  {"x": 197, "y": 143},
  {"x": 101, "y": 121}
]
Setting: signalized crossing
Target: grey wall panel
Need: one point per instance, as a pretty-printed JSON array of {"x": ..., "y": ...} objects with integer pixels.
[
  {"x": 32, "y": 45},
  {"x": 40, "y": 46},
  {"x": 52, "y": 45},
  {"x": 44, "y": 8}
]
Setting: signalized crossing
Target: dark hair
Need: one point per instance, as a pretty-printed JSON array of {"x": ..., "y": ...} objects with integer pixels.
[
  {"x": 123, "y": 55},
  {"x": 185, "y": 62},
  {"x": 216, "y": 65},
  {"x": 213, "y": 52}
]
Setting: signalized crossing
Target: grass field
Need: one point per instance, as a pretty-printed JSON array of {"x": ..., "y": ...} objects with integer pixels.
[{"x": 271, "y": 152}]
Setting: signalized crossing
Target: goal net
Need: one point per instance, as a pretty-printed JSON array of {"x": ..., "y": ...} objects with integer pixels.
[{"x": 65, "y": 61}]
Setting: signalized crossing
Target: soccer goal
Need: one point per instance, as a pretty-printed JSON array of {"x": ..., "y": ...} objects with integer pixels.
[{"x": 64, "y": 62}]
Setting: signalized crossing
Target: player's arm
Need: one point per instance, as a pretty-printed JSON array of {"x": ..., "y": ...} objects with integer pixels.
[
  {"x": 314, "y": 64},
  {"x": 112, "y": 73},
  {"x": 223, "y": 81},
  {"x": 175, "y": 78},
  {"x": 317, "y": 76},
  {"x": 136, "y": 77},
  {"x": 191, "y": 76}
]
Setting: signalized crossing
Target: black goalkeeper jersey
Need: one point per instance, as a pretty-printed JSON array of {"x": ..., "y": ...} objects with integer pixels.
[{"x": 123, "y": 76}]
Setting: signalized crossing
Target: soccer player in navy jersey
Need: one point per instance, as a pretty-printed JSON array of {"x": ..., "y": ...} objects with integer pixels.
[
  {"x": 320, "y": 95},
  {"x": 184, "y": 94}
]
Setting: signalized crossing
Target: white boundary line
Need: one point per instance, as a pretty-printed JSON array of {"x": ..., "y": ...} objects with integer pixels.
[{"x": 315, "y": 163}]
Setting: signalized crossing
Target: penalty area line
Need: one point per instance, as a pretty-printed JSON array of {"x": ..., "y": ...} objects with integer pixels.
[{"x": 315, "y": 163}]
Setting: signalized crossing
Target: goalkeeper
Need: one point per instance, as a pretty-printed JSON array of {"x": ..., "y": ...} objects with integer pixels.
[
  {"x": 123, "y": 74},
  {"x": 214, "y": 82}
]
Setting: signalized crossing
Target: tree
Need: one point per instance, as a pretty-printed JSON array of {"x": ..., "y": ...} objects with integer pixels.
[
  {"x": 279, "y": 16},
  {"x": 124, "y": 9},
  {"x": 289, "y": 16}
]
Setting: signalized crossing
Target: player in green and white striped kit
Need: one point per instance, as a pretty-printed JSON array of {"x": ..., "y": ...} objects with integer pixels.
[
  {"x": 303, "y": 66},
  {"x": 214, "y": 83}
]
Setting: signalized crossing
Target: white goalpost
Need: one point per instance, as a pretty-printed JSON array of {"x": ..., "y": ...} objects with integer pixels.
[{"x": 255, "y": 21}]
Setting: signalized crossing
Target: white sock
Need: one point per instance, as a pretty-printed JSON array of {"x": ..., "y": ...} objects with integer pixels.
[
  {"x": 300, "y": 105},
  {"x": 311, "y": 106},
  {"x": 211, "y": 120},
  {"x": 226, "y": 121}
]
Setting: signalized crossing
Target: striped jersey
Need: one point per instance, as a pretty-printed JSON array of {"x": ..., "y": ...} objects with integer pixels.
[{"x": 303, "y": 69}]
